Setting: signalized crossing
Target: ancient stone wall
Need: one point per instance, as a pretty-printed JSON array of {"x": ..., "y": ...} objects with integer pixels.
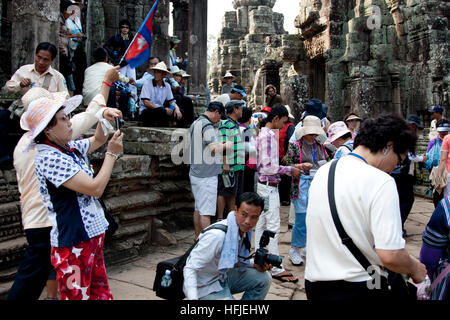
[{"x": 375, "y": 56}]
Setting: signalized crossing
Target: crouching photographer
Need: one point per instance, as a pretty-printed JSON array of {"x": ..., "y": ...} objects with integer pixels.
[{"x": 220, "y": 266}]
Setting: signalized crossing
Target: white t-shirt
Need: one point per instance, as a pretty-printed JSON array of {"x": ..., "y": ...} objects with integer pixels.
[{"x": 368, "y": 207}]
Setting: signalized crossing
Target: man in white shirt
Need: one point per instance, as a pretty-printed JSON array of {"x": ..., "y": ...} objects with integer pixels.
[
  {"x": 436, "y": 115},
  {"x": 216, "y": 268},
  {"x": 157, "y": 107},
  {"x": 39, "y": 74},
  {"x": 368, "y": 206}
]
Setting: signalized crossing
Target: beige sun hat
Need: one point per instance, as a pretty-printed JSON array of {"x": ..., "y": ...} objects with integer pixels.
[
  {"x": 161, "y": 66},
  {"x": 311, "y": 125},
  {"x": 37, "y": 92},
  {"x": 228, "y": 75},
  {"x": 289, "y": 111}
]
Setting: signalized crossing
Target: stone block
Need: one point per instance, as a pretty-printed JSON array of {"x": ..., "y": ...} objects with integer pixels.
[
  {"x": 136, "y": 200},
  {"x": 163, "y": 238},
  {"x": 131, "y": 166}
]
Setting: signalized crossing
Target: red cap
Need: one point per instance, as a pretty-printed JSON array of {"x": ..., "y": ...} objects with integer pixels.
[{"x": 268, "y": 109}]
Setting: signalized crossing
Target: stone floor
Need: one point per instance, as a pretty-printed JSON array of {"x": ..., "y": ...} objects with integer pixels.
[{"x": 134, "y": 280}]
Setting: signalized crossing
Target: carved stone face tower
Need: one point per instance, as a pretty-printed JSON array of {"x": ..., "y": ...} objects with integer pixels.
[{"x": 242, "y": 42}]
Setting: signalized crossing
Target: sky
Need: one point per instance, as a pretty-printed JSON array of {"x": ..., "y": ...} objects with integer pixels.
[{"x": 217, "y": 8}]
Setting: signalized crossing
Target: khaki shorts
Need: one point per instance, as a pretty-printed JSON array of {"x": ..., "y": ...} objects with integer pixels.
[{"x": 205, "y": 194}]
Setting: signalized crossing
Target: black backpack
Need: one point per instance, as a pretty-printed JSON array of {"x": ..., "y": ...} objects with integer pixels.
[{"x": 176, "y": 265}]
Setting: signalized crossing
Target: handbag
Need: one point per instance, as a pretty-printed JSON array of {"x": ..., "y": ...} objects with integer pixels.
[
  {"x": 395, "y": 283},
  {"x": 174, "y": 289}
]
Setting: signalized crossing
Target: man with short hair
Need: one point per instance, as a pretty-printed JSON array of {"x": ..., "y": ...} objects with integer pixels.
[
  {"x": 216, "y": 268},
  {"x": 39, "y": 74},
  {"x": 436, "y": 115},
  {"x": 269, "y": 176},
  {"x": 233, "y": 161},
  {"x": 205, "y": 164},
  {"x": 237, "y": 93}
]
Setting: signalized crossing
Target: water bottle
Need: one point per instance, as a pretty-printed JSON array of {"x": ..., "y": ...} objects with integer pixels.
[
  {"x": 166, "y": 280},
  {"x": 424, "y": 289}
]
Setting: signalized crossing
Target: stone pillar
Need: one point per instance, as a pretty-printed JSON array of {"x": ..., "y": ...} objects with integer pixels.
[
  {"x": 160, "y": 43},
  {"x": 33, "y": 21},
  {"x": 198, "y": 26},
  {"x": 95, "y": 27},
  {"x": 180, "y": 25}
]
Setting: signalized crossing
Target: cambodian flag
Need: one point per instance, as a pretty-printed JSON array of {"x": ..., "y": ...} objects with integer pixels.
[{"x": 139, "y": 50}]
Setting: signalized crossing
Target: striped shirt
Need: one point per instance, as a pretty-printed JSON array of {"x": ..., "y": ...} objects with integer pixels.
[
  {"x": 267, "y": 165},
  {"x": 229, "y": 131}
]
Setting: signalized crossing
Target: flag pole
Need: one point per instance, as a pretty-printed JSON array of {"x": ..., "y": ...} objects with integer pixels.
[{"x": 140, "y": 28}]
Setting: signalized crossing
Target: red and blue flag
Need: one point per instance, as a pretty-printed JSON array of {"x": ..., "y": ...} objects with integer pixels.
[{"x": 139, "y": 49}]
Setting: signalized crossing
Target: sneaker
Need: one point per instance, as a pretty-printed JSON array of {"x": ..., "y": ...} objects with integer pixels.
[
  {"x": 303, "y": 252},
  {"x": 295, "y": 257}
]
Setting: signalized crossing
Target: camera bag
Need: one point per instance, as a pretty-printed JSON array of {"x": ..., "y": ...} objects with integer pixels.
[{"x": 176, "y": 265}]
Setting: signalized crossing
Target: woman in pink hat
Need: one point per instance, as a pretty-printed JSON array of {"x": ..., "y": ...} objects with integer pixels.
[
  {"x": 340, "y": 137},
  {"x": 69, "y": 192}
]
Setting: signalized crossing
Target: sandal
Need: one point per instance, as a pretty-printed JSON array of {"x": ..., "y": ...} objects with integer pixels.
[{"x": 282, "y": 277}]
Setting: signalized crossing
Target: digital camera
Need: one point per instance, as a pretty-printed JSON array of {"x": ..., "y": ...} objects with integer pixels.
[{"x": 262, "y": 255}]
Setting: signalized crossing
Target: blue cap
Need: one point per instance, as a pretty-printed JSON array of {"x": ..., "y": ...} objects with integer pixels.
[
  {"x": 414, "y": 119},
  {"x": 437, "y": 109}
]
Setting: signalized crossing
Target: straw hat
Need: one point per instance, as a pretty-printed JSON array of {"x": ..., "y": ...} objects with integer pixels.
[
  {"x": 228, "y": 75},
  {"x": 184, "y": 74},
  {"x": 175, "y": 71},
  {"x": 41, "y": 111},
  {"x": 37, "y": 92},
  {"x": 161, "y": 66},
  {"x": 311, "y": 125},
  {"x": 337, "y": 130},
  {"x": 289, "y": 111},
  {"x": 353, "y": 117}
]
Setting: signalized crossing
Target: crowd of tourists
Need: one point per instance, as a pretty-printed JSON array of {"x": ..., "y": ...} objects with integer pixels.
[{"x": 349, "y": 183}]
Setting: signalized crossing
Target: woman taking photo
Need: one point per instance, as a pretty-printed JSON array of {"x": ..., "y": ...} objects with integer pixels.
[
  {"x": 310, "y": 154},
  {"x": 69, "y": 191}
]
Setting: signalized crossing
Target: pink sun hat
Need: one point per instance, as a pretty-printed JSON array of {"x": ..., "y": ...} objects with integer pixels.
[
  {"x": 336, "y": 130},
  {"x": 41, "y": 111}
]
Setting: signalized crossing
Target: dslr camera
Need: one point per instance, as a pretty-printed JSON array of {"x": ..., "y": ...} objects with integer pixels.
[{"x": 262, "y": 255}]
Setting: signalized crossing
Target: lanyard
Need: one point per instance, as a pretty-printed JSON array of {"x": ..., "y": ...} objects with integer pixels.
[
  {"x": 357, "y": 156},
  {"x": 313, "y": 151}
]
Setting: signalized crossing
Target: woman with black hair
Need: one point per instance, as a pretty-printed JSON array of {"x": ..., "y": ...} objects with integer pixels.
[{"x": 367, "y": 205}]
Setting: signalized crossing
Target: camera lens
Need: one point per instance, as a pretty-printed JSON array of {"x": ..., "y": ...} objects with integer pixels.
[{"x": 274, "y": 260}]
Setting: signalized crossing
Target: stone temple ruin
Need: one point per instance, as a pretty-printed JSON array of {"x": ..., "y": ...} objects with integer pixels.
[{"x": 368, "y": 56}]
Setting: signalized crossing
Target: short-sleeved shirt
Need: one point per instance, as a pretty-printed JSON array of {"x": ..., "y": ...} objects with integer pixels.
[
  {"x": 446, "y": 147},
  {"x": 203, "y": 163},
  {"x": 368, "y": 207},
  {"x": 229, "y": 131},
  {"x": 156, "y": 95},
  {"x": 75, "y": 217}
]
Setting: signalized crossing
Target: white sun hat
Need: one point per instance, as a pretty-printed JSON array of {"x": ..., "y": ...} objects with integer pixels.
[{"x": 228, "y": 75}]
